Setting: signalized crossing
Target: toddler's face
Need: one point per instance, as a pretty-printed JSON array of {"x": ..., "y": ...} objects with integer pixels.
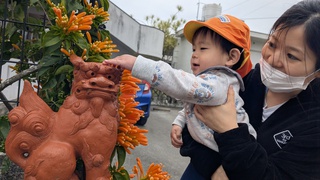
[{"x": 206, "y": 53}]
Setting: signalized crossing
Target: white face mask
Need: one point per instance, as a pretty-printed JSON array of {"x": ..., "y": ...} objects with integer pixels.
[{"x": 277, "y": 81}]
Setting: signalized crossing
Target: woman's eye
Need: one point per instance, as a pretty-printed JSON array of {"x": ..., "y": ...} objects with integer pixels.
[{"x": 292, "y": 57}]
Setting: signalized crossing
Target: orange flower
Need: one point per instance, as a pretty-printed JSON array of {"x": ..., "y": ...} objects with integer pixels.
[
  {"x": 129, "y": 135},
  {"x": 15, "y": 68},
  {"x": 105, "y": 46},
  {"x": 75, "y": 23},
  {"x": 50, "y": 3},
  {"x": 99, "y": 12},
  {"x": 16, "y": 47},
  {"x": 64, "y": 51},
  {"x": 154, "y": 172},
  {"x": 68, "y": 53}
]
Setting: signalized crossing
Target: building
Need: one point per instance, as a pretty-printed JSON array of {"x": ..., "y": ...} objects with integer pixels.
[{"x": 131, "y": 37}]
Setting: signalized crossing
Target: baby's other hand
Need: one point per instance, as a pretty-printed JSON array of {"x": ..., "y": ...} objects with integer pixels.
[{"x": 176, "y": 139}]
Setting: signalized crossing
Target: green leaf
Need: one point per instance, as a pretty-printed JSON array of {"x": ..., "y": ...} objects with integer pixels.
[
  {"x": 19, "y": 12},
  {"x": 50, "y": 39},
  {"x": 104, "y": 34},
  {"x": 64, "y": 69},
  {"x": 10, "y": 30},
  {"x": 121, "y": 152},
  {"x": 113, "y": 154},
  {"x": 125, "y": 174},
  {"x": 81, "y": 42},
  {"x": 49, "y": 60},
  {"x": 4, "y": 126},
  {"x": 67, "y": 44},
  {"x": 52, "y": 42},
  {"x": 105, "y": 4},
  {"x": 51, "y": 83},
  {"x": 53, "y": 49},
  {"x": 42, "y": 71},
  {"x": 118, "y": 176},
  {"x": 96, "y": 58},
  {"x": 73, "y": 5}
]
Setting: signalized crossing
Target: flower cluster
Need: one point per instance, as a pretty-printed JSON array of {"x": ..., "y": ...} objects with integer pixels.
[
  {"x": 106, "y": 47},
  {"x": 72, "y": 29},
  {"x": 74, "y": 23},
  {"x": 154, "y": 172},
  {"x": 129, "y": 135},
  {"x": 99, "y": 12}
]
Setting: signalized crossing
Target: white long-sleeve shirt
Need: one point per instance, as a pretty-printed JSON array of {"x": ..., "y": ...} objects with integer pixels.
[{"x": 210, "y": 87}]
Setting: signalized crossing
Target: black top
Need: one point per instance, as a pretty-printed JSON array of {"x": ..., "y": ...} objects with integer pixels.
[{"x": 287, "y": 144}]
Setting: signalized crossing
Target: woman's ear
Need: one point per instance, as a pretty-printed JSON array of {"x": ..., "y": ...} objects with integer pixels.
[{"x": 234, "y": 57}]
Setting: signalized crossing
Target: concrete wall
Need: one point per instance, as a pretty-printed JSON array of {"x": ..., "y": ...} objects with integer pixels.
[
  {"x": 257, "y": 42},
  {"x": 133, "y": 37}
]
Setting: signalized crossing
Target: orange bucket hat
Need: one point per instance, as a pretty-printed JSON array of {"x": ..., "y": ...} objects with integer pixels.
[{"x": 232, "y": 29}]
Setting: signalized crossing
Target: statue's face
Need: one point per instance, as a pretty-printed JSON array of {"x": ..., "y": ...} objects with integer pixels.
[{"x": 95, "y": 80}]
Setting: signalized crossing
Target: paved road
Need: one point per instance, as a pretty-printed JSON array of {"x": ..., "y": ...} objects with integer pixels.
[{"x": 159, "y": 149}]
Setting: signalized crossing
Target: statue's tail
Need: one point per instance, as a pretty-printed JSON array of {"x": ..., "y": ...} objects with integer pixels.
[{"x": 30, "y": 124}]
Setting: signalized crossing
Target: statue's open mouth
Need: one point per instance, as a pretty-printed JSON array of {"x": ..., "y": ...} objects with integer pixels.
[{"x": 106, "y": 92}]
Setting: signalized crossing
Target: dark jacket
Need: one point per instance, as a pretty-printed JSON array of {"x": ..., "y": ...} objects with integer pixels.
[{"x": 287, "y": 144}]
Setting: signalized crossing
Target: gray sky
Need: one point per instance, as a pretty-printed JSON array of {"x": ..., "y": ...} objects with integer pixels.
[{"x": 258, "y": 14}]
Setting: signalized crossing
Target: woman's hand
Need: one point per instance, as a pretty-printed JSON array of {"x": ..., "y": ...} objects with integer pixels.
[
  {"x": 125, "y": 61},
  {"x": 176, "y": 139},
  {"x": 220, "y": 118}
]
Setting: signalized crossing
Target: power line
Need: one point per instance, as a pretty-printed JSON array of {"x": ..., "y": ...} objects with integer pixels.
[
  {"x": 239, "y": 4},
  {"x": 262, "y": 6},
  {"x": 258, "y": 18}
]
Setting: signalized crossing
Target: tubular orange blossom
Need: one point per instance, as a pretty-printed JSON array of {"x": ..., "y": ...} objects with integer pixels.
[
  {"x": 140, "y": 166},
  {"x": 64, "y": 51},
  {"x": 58, "y": 13},
  {"x": 72, "y": 18},
  {"x": 84, "y": 27},
  {"x": 16, "y": 46}
]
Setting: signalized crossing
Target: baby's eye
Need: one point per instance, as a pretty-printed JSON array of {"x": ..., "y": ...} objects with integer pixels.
[
  {"x": 203, "y": 48},
  {"x": 271, "y": 44}
]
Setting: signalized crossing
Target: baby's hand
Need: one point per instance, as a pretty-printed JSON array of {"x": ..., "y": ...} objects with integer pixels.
[
  {"x": 125, "y": 61},
  {"x": 176, "y": 139}
]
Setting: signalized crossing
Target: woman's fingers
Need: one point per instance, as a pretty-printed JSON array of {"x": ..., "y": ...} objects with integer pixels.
[
  {"x": 230, "y": 97},
  {"x": 219, "y": 118}
]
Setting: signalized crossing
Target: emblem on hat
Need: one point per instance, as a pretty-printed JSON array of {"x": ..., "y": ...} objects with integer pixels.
[{"x": 223, "y": 19}]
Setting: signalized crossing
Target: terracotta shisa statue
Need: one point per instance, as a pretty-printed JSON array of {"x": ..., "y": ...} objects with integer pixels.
[{"x": 46, "y": 144}]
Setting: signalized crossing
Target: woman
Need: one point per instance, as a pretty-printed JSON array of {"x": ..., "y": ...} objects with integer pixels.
[{"x": 282, "y": 98}]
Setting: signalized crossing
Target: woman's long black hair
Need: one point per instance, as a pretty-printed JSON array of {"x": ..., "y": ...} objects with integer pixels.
[{"x": 305, "y": 13}]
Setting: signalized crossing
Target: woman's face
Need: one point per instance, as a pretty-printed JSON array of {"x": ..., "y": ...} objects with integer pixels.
[{"x": 287, "y": 51}]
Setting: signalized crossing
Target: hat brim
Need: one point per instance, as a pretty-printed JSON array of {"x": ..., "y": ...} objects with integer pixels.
[{"x": 190, "y": 28}]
